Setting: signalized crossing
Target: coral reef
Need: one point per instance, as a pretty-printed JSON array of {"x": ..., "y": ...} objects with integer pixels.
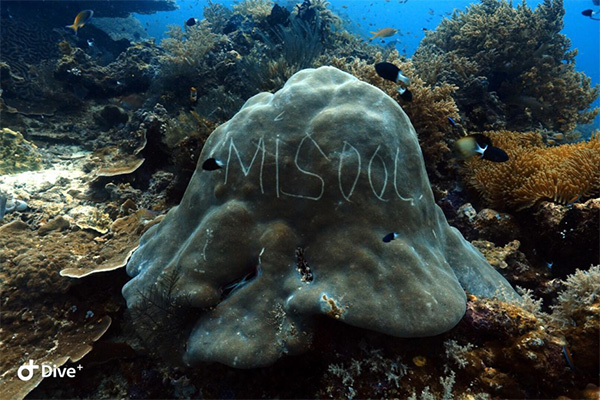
[
  {"x": 258, "y": 10},
  {"x": 512, "y": 65},
  {"x": 535, "y": 172},
  {"x": 17, "y": 154},
  {"x": 132, "y": 71},
  {"x": 566, "y": 237},
  {"x": 184, "y": 61},
  {"x": 342, "y": 161},
  {"x": 428, "y": 111},
  {"x": 113, "y": 133}
]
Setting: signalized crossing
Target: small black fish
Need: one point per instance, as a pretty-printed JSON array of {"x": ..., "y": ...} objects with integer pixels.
[
  {"x": 405, "y": 94},
  {"x": 191, "y": 22},
  {"x": 477, "y": 143},
  {"x": 390, "y": 72},
  {"x": 390, "y": 236},
  {"x": 212, "y": 164},
  {"x": 591, "y": 14}
]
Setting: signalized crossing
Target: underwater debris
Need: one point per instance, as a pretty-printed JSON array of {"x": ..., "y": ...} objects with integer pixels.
[
  {"x": 277, "y": 181},
  {"x": 558, "y": 174}
]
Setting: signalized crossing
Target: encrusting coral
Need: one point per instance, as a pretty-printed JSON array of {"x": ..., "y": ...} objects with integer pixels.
[
  {"x": 17, "y": 154},
  {"x": 515, "y": 60},
  {"x": 332, "y": 166},
  {"x": 535, "y": 172}
]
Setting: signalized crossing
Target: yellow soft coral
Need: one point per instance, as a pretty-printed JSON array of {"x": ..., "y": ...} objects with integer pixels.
[{"x": 535, "y": 172}]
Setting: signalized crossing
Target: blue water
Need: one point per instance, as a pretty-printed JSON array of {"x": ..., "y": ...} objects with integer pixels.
[{"x": 409, "y": 19}]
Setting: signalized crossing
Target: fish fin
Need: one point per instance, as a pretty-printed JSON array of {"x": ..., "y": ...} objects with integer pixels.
[
  {"x": 465, "y": 147},
  {"x": 74, "y": 27}
]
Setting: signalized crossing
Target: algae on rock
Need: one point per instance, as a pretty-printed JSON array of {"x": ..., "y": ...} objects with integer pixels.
[
  {"x": 291, "y": 228},
  {"x": 17, "y": 154}
]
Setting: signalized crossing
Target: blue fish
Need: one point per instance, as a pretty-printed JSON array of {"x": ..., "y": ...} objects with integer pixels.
[
  {"x": 451, "y": 121},
  {"x": 568, "y": 357}
]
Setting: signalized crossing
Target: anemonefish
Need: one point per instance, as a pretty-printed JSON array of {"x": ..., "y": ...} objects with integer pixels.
[
  {"x": 81, "y": 19},
  {"x": 478, "y": 144},
  {"x": 383, "y": 33}
]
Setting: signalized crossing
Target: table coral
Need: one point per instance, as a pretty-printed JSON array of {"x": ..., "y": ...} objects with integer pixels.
[
  {"x": 534, "y": 172},
  {"x": 329, "y": 164}
]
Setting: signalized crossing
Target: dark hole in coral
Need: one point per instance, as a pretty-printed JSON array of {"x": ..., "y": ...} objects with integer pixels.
[{"x": 228, "y": 289}]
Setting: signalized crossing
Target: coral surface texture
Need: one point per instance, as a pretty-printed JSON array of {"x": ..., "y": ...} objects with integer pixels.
[{"x": 290, "y": 228}]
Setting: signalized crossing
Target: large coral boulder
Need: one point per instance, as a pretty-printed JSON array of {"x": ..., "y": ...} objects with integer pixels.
[{"x": 314, "y": 177}]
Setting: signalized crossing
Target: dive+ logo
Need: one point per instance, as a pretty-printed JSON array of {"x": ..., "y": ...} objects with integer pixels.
[{"x": 26, "y": 371}]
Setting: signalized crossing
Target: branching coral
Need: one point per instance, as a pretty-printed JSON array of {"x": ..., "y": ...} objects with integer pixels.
[
  {"x": 257, "y": 9},
  {"x": 523, "y": 57},
  {"x": 582, "y": 290},
  {"x": 186, "y": 50},
  {"x": 428, "y": 111},
  {"x": 535, "y": 172},
  {"x": 291, "y": 49}
]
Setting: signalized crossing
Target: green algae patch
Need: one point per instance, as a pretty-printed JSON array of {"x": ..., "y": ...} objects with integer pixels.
[{"x": 17, "y": 154}]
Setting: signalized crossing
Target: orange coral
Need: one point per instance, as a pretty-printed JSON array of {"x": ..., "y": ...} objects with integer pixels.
[{"x": 535, "y": 172}]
